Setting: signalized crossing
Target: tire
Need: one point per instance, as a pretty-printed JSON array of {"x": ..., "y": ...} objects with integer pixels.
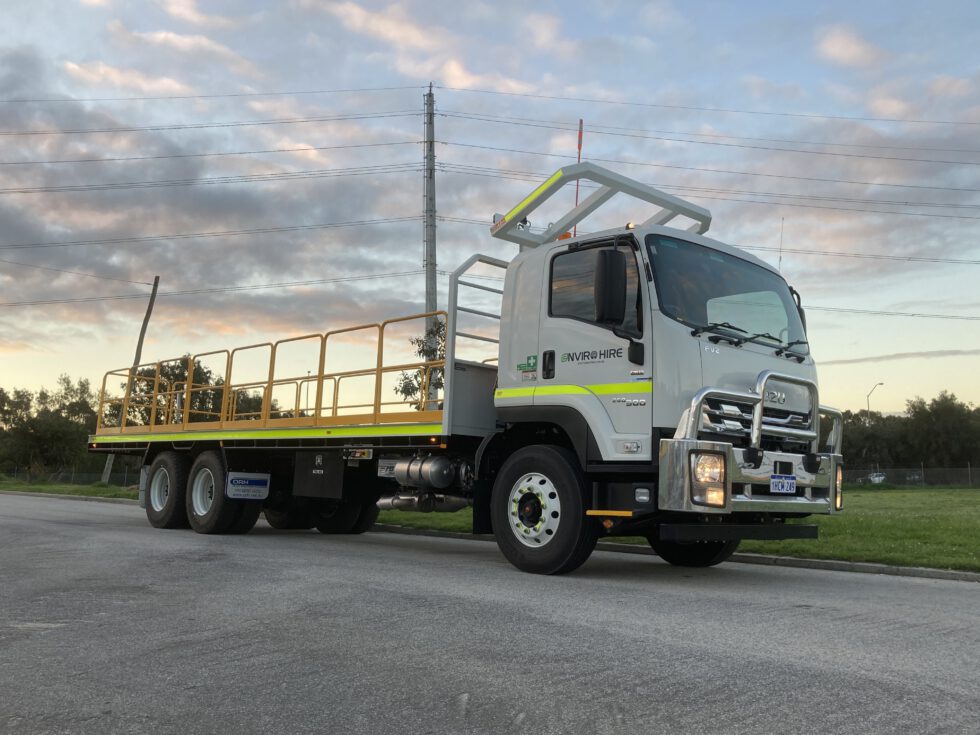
[
  {"x": 365, "y": 521},
  {"x": 336, "y": 516},
  {"x": 538, "y": 508},
  {"x": 209, "y": 510},
  {"x": 248, "y": 516},
  {"x": 165, "y": 490},
  {"x": 295, "y": 515},
  {"x": 694, "y": 554}
]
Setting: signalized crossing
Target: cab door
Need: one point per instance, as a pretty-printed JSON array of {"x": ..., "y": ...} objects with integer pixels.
[{"x": 585, "y": 362}]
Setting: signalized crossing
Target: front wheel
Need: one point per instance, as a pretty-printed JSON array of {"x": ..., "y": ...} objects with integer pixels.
[
  {"x": 538, "y": 507},
  {"x": 693, "y": 554}
]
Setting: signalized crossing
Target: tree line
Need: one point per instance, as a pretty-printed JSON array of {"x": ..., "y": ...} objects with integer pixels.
[{"x": 46, "y": 431}]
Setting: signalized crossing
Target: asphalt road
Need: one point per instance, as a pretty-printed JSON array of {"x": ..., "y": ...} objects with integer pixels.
[{"x": 110, "y": 626}]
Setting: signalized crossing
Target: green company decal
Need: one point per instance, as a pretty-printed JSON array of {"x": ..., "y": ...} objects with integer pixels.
[{"x": 530, "y": 366}]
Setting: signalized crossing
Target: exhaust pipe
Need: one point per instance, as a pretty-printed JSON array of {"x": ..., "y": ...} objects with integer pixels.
[{"x": 428, "y": 503}]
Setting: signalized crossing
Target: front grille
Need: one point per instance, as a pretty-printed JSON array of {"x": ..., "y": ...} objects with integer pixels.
[{"x": 732, "y": 421}]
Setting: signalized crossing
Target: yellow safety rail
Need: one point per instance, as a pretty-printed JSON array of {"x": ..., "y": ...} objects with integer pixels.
[{"x": 180, "y": 394}]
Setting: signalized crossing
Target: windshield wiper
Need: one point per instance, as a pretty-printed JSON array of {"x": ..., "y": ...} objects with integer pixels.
[
  {"x": 787, "y": 350},
  {"x": 766, "y": 335},
  {"x": 699, "y": 330}
]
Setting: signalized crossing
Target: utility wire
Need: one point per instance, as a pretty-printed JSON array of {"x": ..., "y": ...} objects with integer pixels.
[
  {"x": 226, "y": 124},
  {"x": 654, "y": 105},
  {"x": 225, "y": 289},
  {"x": 530, "y": 176},
  {"x": 612, "y": 129},
  {"x": 74, "y": 273},
  {"x": 814, "y": 197},
  {"x": 709, "y": 170},
  {"x": 798, "y": 251},
  {"x": 215, "y": 233},
  {"x": 296, "y": 93},
  {"x": 505, "y": 121},
  {"x": 242, "y": 179},
  {"x": 206, "y": 155}
]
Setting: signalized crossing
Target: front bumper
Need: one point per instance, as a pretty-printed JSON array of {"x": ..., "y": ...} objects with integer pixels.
[{"x": 747, "y": 485}]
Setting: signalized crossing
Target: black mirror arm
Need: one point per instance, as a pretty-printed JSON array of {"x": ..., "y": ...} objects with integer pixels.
[{"x": 635, "y": 353}]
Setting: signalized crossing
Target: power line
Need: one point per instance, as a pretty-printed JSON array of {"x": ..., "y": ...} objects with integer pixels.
[
  {"x": 708, "y": 109},
  {"x": 207, "y": 181},
  {"x": 712, "y": 170},
  {"x": 296, "y": 93},
  {"x": 516, "y": 121},
  {"x": 798, "y": 251},
  {"x": 875, "y": 312},
  {"x": 225, "y": 289},
  {"x": 226, "y": 124},
  {"x": 536, "y": 176},
  {"x": 206, "y": 155},
  {"x": 74, "y": 273},
  {"x": 215, "y": 233}
]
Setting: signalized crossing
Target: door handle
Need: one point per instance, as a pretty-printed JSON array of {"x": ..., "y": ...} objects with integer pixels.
[{"x": 548, "y": 364}]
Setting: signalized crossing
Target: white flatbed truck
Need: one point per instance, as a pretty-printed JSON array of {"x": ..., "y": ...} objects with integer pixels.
[{"x": 644, "y": 380}]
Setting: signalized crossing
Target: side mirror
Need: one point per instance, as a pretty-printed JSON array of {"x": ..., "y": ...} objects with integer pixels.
[{"x": 610, "y": 287}]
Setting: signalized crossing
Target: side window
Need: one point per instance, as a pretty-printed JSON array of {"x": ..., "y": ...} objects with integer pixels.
[{"x": 573, "y": 288}]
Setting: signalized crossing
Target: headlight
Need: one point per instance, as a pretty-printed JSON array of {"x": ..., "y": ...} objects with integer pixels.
[
  {"x": 839, "y": 495},
  {"x": 709, "y": 468},
  {"x": 708, "y": 479}
]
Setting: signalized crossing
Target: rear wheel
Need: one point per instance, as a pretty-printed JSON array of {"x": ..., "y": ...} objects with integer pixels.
[
  {"x": 538, "y": 507},
  {"x": 294, "y": 515},
  {"x": 365, "y": 521},
  {"x": 209, "y": 510},
  {"x": 167, "y": 483},
  {"x": 693, "y": 554},
  {"x": 247, "y": 516},
  {"x": 335, "y": 516}
]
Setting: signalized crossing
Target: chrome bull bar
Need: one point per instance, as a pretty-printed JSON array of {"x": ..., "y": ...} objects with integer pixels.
[{"x": 690, "y": 424}]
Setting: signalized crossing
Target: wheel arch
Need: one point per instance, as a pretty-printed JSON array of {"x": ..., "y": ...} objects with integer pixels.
[{"x": 561, "y": 426}]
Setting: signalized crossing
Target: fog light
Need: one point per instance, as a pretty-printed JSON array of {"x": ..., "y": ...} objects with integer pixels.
[
  {"x": 839, "y": 495},
  {"x": 642, "y": 495},
  {"x": 709, "y": 468},
  {"x": 715, "y": 496}
]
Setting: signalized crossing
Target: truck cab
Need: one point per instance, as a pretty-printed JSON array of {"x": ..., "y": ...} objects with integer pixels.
[{"x": 678, "y": 369}]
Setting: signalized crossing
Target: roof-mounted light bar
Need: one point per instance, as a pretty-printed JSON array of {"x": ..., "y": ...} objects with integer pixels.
[{"x": 509, "y": 227}]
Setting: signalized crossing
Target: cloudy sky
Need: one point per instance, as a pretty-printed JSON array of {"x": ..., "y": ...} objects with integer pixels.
[{"x": 266, "y": 157}]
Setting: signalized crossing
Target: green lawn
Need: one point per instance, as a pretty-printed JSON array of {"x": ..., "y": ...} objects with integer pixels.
[
  {"x": 919, "y": 527},
  {"x": 922, "y": 527}
]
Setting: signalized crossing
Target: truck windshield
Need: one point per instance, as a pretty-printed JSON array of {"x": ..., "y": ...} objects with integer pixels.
[{"x": 702, "y": 287}]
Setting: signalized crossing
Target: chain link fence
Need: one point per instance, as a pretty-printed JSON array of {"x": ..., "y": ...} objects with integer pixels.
[
  {"x": 920, "y": 476},
  {"x": 124, "y": 477}
]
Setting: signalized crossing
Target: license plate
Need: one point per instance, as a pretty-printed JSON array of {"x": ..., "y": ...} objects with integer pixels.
[{"x": 782, "y": 484}]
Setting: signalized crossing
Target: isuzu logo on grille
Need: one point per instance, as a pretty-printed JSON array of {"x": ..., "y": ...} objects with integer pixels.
[{"x": 774, "y": 396}]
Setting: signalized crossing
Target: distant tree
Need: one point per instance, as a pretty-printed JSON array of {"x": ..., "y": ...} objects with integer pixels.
[
  {"x": 429, "y": 347},
  {"x": 46, "y": 432}
]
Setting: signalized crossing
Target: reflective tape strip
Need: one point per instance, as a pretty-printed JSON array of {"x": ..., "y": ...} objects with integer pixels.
[
  {"x": 513, "y": 393},
  {"x": 561, "y": 390},
  {"x": 534, "y": 194},
  {"x": 638, "y": 387},
  {"x": 333, "y": 432},
  {"x": 617, "y": 513},
  {"x": 643, "y": 387}
]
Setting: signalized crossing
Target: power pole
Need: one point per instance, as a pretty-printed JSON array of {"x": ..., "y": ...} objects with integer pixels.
[
  {"x": 107, "y": 470},
  {"x": 429, "y": 259},
  {"x": 146, "y": 320}
]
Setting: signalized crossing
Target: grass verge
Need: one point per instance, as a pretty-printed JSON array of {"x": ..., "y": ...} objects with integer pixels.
[{"x": 919, "y": 527}]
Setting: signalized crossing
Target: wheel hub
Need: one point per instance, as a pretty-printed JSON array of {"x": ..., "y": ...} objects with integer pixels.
[{"x": 535, "y": 510}]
